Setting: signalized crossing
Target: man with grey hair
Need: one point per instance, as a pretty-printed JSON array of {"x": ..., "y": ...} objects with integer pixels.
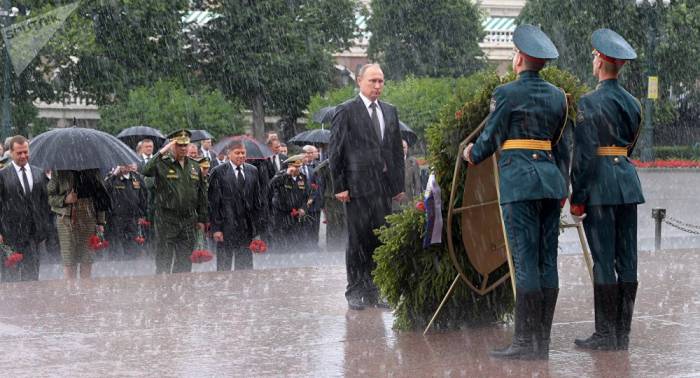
[
  {"x": 367, "y": 166},
  {"x": 315, "y": 202}
]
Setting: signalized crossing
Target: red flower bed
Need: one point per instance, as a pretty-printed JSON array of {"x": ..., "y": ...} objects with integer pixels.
[{"x": 667, "y": 164}]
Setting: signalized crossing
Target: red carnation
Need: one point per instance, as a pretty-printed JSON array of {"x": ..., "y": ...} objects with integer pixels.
[
  {"x": 458, "y": 115},
  {"x": 257, "y": 246},
  {"x": 97, "y": 242},
  {"x": 13, "y": 259},
  {"x": 314, "y": 186},
  {"x": 144, "y": 223},
  {"x": 140, "y": 240},
  {"x": 295, "y": 213},
  {"x": 420, "y": 206},
  {"x": 200, "y": 256}
]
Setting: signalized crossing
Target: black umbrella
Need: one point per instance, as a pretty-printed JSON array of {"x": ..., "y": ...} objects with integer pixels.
[
  {"x": 198, "y": 135},
  {"x": 315, "y": 137},
  {"x": 79, "y": 149},
  {"x": 133, "y": 135},
  {"x": 325, "y": 115},
  {"x": 254, "y": 149},
  {"x": 407, "y": 134}
]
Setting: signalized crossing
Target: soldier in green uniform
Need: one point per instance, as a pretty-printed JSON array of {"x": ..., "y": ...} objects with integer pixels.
[
  {"x": 180, "y": 194},
  {"x": 290, "y": 193},
  {"x": 606, "y": 190},
  {"x": 526, "y": 122}
]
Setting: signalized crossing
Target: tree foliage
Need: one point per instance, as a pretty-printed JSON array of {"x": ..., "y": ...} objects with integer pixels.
[
  {"x": 433, "y": 38},
  {"x": 169, "y": 106},
  {"x": 274, "y": 54}
]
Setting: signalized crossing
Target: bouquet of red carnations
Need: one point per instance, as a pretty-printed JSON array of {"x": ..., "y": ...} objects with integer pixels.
[
  {"x": 257, "y": 246},
  {"x": 97, "y": 241},
  {"x": 201, "y": 253},
  {"x": 12, "y": 258}
]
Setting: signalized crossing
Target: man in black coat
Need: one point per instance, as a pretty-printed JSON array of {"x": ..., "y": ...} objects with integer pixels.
[
  {"x": 24, "y": 211},
  {"x": 367, "y": 165},
  {"x": 235, "y": 209}
]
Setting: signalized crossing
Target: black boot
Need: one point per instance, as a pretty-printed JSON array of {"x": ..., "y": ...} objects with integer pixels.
[
  {"x": 627, "y": 293},
  {"x": 528, "y": 312},
  {"x": 605, "y": 303},
  {"x": 549, "y": 302}
]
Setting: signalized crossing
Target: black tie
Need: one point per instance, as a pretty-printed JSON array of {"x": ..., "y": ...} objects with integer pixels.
[
  {"x": 375, "y": 121},
  {"x": 25, "y": 181},
  {"x": 240, "y": 180}
]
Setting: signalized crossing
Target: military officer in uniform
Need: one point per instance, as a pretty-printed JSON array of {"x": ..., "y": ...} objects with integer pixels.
[
  {"x": 606, "y": 190},
  {"x": 180, "y": 192},
  {"x": 290, "y": 192},
  {"x": 526, "y": 121},
  {"x": 129, "y": 198}
]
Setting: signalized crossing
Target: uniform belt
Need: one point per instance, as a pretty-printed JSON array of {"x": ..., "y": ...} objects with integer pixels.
[
  {"x": 612, "y": 151},
  {"x": 527, "y": 144}
]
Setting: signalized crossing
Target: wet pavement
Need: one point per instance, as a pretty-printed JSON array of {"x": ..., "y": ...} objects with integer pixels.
[{"x": 295, "y": 322}]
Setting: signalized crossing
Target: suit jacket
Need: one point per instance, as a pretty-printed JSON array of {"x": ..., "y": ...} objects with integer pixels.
[
  {"x": 19, "y": 210},
  {"x": 212, "y": 158},
  {"x": 527, "y": 108},
  {"x": 273, "y": 169},
  {"x": 360, "y": 162},
  {"x": 235, "y": 212},
  {"x": 608, "y": 116}
]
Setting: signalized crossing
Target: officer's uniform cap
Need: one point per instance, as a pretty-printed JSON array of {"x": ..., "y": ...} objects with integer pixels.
[
  {"x": 297, "y": 160},
  {"x": 533, "y": 42},
  {"x": 204, "y": 162},
  {"x": 612, "y": 47},
  {"x": 181, "y": 137}
]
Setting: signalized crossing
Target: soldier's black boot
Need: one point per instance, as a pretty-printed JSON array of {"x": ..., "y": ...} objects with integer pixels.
[
  {"x": 528, "y": 311},
  {"x": 627, "y": 293},
  {"x": 549, "y": 302},
  {"x": 605, "y": 306}
]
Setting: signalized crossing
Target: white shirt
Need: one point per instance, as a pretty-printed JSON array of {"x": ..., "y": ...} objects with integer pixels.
[
  {"x": 368, "y": 102},
  {"x": 146, "y": 158},
  {"x": 206, "y": 154},
  {"x": 276, "y": 161},
  {"x": 235, "y": 170},
  {"x": 28, "y": 170}
]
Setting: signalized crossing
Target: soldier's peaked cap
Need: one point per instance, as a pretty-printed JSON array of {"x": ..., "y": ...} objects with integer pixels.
[
  {"x": 297, "y": 159},
  {"x": 613, "y": 45},
  {"x": 181, "y": 136},
  {"x": 532, "y": 41}
]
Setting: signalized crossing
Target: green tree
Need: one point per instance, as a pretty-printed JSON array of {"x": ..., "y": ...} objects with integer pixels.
[
  {"x": 676, "y": 54},
  {"x": 274, "y": 54},
  {"x": 168, "y": 106},
  {"x": 425, "y": 38}
]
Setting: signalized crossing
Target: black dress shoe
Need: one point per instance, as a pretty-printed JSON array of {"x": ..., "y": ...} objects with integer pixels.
[{"x": 356, "y": 304}]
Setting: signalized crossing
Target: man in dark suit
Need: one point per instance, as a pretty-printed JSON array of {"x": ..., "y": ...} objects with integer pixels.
[
  {"x": 206, "y": 151},
  {"x": 235, "y": 209},
  {"x": 24, "y": 211},
  {"x": 367, "y": 165},
  {"x": 315, "y": 202},
  {"x": 277, "y": 159}
]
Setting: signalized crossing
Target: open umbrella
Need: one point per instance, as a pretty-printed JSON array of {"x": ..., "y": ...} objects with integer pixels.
[
  {"x": 254, "y": 149},
  {"x": 199, "y": 135},
  {"x": 407, "y": 134},
  {"x": 79, "y": 149},
  {"x": 324, "y": 115},
  {"x": 314, "y": 137},
  {"x": 133, "y": 135}
]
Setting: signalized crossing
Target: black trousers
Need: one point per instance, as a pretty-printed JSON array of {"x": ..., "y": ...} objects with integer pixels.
[
  {"x": 239, "y": 256},
  {"x": 364, "y": 214},
  {"x": 311, "y": 227},
  {"x": 27, "y": 269}
]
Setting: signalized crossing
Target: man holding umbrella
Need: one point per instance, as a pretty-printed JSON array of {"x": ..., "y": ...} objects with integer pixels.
[{"x": 180, "y": 203}]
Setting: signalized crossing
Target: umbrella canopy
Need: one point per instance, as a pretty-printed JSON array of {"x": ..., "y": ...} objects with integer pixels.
[
  {"x": 407, "y": 134},
  {"x": 254, "y": 149},
  {"x": 79, "y": 149},
  {"x": 133, "y": 135},
  {"x": 314, "y": 137},
  {"x": 199, "y": 135},
  {"x": 325, "y": 115}
]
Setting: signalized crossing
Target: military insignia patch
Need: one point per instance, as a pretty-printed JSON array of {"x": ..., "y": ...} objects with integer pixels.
[
  {"x": 492, "y": 106},
  {"x": 580, "y": 117},
  {"x": 136, "y": 184}
]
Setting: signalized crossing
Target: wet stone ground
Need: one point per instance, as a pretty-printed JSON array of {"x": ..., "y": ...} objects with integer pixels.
[{"x": 295, "y": 322}]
